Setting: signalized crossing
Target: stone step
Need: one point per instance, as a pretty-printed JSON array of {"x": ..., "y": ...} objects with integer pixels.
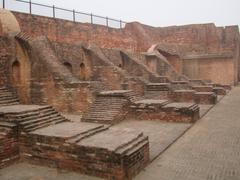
[
  {"x": 44, "y": 121},
  {"x": 3, "y": 102},
  {"x": 100, "y": 117},
  {"x": 7, "y": 93},
  {"x": 40, "y": 119},
  {"x": 101, "y": 121},
  {"x": 131, "y": 145},
  {"x": 88, "y": 134},
  {"x": 45, "y": 125},
  {"x": 40, "y": 115},
  {"x": 9, "y": 104},
  {"x": 30, "y": 112},
  {"x": 4, "y": 98}
]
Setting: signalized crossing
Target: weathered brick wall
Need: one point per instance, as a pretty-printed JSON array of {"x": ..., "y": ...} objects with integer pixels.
[
  {"x": 9, "y": 149},
  {"x": 67, "y": 31},
  {"x": 211, "y": 69},
  {"x": 5, "y": 57},
  {"x": 135, "y": 36},
  {"x": 194, "y": 39},
  {"x": 52, "y": 151}
]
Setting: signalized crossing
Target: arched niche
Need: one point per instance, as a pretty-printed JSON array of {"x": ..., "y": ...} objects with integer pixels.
[
  {"x": 68, "y": 66},
  {"x": 21, "y": 73},
  {"x": 82, "y": 73},
  {"x": 16, "y": 73}
]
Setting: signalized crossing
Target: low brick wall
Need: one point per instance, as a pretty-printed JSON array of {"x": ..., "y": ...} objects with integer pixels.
[
  {"x": 9, "y": 151},
  {"x": 165, "y": 111},
  {"x": 100, "y": 162}
]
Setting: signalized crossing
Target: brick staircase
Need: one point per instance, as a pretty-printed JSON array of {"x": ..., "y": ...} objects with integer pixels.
[
  {"x": 23, "y": 37},
  {"x": 157, "y": 90},
  {"x": 8, "y": 97},
  {"x": 32, "y": 117},
  {"x": 109, "y": 107}
]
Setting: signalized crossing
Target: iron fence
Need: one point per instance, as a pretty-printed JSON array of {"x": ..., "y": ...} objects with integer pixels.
[{"x": 60, "y": 13}]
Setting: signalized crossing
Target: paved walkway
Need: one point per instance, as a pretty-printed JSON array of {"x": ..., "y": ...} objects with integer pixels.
[{"x": 210, "y": 150}]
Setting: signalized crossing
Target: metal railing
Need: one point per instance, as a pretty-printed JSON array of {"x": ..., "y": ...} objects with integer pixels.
[{"x": 72, "y": 15}]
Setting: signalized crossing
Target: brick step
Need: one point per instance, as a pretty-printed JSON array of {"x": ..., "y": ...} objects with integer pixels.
[
  {"x": 131, "y": 148},
  {"x": 106, "y": 118},
  {"x": 117, "y": 102},
  {"x": 3, "y": 98},
  {"x": 40, "y": 119},
  {"x": 40, "y": 115},
  {"x": 7, "y": 125},
  {"x": 10, "y": 104},
  {"x": 45, "y": 125},
  {"x": 105, "y": 108},
  {"x": 95, "y": 116},
  {"x": 2, "y": 93},
  {"x": 30, "y": 112},
  {"x": 125, "y": 146},
  {"x": 8, "y": 101},
  {"x": 101, "y": 121},
  {"x": 88, "y": 134},
  {"x": 106, "y": 111}
]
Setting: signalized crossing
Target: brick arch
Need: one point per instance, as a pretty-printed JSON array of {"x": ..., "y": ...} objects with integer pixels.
[
  {"x": 82, "y": 73},
  {"x": 16, "y": 73},
  {"x": 21, "y": 73},
  {"x": 68, "y": 66}
]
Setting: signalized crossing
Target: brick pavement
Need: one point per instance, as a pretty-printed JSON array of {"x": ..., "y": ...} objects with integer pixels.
[{"x": 210, "y": 150}]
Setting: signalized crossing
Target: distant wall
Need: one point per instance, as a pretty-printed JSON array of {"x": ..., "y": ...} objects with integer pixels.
[
  {"x": 134, "y": 36},
  {"x": 194, "y": 40},
  {"x": 217, "y": 70}
]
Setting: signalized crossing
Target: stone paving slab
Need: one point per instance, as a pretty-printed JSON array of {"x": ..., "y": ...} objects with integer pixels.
[
  {"x": 210, "y": 150},
  {"x": 67, "y": 129},
  {"x": 111, "y": 139},
  {"x": 160, "y": 134},
  {"x": 20, "y": 108},
  {"x": 179, "y": 105},
  {"x": 152, "y": 101},
  {"x": 24, "y": 171}
]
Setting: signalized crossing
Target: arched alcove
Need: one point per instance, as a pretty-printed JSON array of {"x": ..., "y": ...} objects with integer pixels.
[
  {"x": 82, "y": 73},
  {"x": 16, "y": 73},
  {"x": 68, "y": 66}
]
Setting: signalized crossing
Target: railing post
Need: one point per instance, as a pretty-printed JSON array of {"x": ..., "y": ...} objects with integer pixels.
[
  {"x": 107, "y": 21},
  {"x": 120, "y": 24},
  {"x": 30, "y": 6},
  {"x": 53, "y": 11},
  {"x": 74, "y": 15},
  {"x": 91, "y": 18},
  {"x": 3, "y": 4}
]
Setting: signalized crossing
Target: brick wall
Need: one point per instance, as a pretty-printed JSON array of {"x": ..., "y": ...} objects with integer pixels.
[{"x": 5, "y": 57}]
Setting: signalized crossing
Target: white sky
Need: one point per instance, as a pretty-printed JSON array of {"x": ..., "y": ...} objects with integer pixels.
[{"x": 159, "y": 12}]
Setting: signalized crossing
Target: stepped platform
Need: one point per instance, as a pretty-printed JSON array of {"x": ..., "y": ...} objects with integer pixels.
[
  {"x": 89, "y": 148},
  {"x": 157, "y": 91},
  {"x": 175, "y": 91},
  {"x": 110, "y": 107},
  {"x": 152, "y": 109},
  {"x": 205, "y": 98},
  {"x": 178, "y": 85},
  {"x": 203, "y": 88},
  {"x": 220, "y": 91},
  {"x": 31, "y": 117}
]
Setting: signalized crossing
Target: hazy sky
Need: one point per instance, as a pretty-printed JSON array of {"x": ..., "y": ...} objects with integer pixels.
[{"x": 159, "y": 12}]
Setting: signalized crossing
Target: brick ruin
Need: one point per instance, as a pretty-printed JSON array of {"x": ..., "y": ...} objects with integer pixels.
[{"x": 52, "y": 66}]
